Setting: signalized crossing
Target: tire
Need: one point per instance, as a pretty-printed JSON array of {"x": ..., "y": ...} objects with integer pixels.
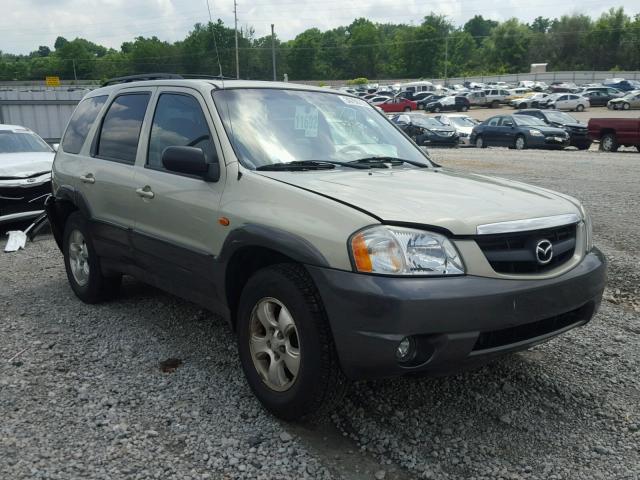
[
  {"x": 534, "y": 105},
  {"x": 495, "y": 104},
  {"x": 319, "y": 384},
  {"x": 464, "y": 108},
  {"x": 584, "y": 146},
  {"x": 84, "y": 272},
  {"x": 437, "y": 109},
  {"x": 609, "y": 143},
  {"x": 480, "y": 142},
  {"x": 407, "y": 109},
  {"x": 520, "y": 143},
  {"x": 626, "y": 106},
  {"x": 521, "y": 106},
  {"x": 580, "y": 108},
  {"x": 420, "y": 107}
]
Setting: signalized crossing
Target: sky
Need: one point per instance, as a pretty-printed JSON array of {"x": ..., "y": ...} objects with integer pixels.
[{"x": 27, "y": 24}]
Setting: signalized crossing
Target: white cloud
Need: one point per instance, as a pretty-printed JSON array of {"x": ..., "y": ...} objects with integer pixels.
[{"x": 26, "y": 24}]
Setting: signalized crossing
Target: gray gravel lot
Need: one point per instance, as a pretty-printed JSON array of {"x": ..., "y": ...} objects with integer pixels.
[{"x": 85, "y": 396}]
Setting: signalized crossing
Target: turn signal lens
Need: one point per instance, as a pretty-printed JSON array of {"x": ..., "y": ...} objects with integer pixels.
[{"x": 361, "y": 254}]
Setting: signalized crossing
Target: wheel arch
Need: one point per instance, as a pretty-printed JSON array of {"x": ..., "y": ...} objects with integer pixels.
[
  {"x": 63, "y": 203},
  {"x": 254, "y": 247}
]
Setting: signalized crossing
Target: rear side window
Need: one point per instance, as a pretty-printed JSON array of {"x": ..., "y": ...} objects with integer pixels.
[
  {"x": 81, "y": 122},
  {"x": 121, "y": 127},
  {"x": 178, "y": 122}
]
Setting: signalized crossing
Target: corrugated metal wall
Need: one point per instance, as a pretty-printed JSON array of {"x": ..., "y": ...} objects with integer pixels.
[{"x": 45, "y": 111}]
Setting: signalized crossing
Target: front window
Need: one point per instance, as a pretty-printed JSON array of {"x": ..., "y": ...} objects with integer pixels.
[
  {"x": 269, "y": 126},
  {"x": 21, "y": 142},
  {"x": 463, "y": 121},
  {"x": 526, "y": 120},
  {"x": 560, "y": 117}
]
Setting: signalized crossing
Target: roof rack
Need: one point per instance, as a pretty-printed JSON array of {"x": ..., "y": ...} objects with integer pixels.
[{"x": 161, "y": 76}]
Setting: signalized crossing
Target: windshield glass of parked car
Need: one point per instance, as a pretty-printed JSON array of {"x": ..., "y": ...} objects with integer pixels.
[
  {"x": 560, "y": 117},
  {"x": 269, "y": 126},
  {"x": 462, "y": 121},
  {"x": 18, "y": 142},
  {"x": 426, "y": 122},
  {"x": 525, "y": 120}
]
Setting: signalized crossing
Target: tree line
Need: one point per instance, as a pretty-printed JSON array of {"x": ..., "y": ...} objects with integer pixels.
[{"x": 362, "y": 49}]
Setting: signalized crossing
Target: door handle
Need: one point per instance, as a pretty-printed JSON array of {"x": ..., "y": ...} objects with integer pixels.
[
  {"x": 145, "y": 192},
  {"x": 88, "y": 178}
]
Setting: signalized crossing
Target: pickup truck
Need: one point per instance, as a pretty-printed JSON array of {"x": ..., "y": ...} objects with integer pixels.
[
  {"x": 480, "y": 99},
  {"x": 615, "y": 132}
]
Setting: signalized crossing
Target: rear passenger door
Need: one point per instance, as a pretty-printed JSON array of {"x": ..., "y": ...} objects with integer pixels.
[
  {"x": 106, "y": 179},
  {"x": 176, "y": 234}
]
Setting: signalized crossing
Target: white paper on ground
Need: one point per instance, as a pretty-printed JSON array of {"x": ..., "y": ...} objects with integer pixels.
[{"x": 17, "y": 240}]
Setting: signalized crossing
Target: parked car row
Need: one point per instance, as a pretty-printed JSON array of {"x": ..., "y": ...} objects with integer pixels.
[{"x": 526, "y": 128}]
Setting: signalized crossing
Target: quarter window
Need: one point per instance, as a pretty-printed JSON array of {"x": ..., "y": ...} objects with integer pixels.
[
  {"x": 121, "y": 127},
  {"x": 81, "y": 122},
  {"x": 178, "y": 122}
]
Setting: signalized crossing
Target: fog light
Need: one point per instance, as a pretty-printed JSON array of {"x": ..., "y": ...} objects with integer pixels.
[{"x": 404, "y": 350}]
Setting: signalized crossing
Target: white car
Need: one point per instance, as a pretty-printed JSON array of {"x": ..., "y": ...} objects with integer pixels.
[
  {"x": 462, "y": 123},
  {"x": 378, "y": 100},
  {"x": 25, "y": 173},
  {"x": 569, "y": 101}
]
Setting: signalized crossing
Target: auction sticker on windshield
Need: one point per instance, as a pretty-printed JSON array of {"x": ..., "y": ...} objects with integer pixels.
[
  {"x": 353, "y": 101},
  {"x": 307, "y": 119}
]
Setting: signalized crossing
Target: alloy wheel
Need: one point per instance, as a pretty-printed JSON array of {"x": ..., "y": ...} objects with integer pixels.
[
  {"x": 274, "y": 344},
  {"x": 79, "y": 258},
  {"x": 520, "y": 144}
]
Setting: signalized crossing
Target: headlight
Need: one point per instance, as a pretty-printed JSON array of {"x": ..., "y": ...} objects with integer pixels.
[
  {"x": 389, "y": 250},
  {"x": 536, "y": 133}
]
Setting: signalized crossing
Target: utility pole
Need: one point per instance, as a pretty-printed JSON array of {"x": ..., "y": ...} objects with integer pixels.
[
  {"x": 235, "y": 19},
  {"x": 446, "y": 57},
  {"x": 73, "y": 62},
  {"x": 273, "y": 53}
]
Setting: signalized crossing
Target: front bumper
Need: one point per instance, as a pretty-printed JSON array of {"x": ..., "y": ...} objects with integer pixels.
[
  {"x": 454, "y": 322},
  {"x": 438, "y": 140},
  {"x": 22, "y": 202}
]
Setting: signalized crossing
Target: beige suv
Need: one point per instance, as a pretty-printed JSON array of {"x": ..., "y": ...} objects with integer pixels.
[{"x": 336, "y": 249}]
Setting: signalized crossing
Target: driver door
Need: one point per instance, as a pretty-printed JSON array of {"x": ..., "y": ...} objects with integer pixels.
[{"x": 176, "y": 234}]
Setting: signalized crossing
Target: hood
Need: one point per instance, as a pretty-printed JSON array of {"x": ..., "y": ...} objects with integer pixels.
[
  {"x": 456, "y": 201},
  {"x": 24, "y": 165}
]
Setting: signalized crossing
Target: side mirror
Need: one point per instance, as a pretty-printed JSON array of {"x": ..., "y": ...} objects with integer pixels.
[{"x": 190, "y": 161}]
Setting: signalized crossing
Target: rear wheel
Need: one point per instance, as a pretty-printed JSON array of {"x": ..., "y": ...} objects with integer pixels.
[
  {"x": 480, "y": 142},
  {"x": 407, "y": 109},
  {"x": 437, "y": 109},
  {"x": 584, "y": 146},
  {"x": 84, "y": 272},
  {"x": 520, "y": 143},
  {"x": 495, "y": 104},
  {"x": 286, "y": 346},
  {"x": 609, "y": 143},
  {"x": 580, "y": 108},
  {"x": 522, "y": 105}
]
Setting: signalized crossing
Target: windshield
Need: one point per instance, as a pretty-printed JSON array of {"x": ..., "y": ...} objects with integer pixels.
[
  {"x": 527, "y": 120},
  {"x": 21, "y": 142},
  {"x": 426, "y": 122},
  {"x": 268, "y": 126},
  {"x": 560, "y": 117},
  {"x": 463, "y": 121}
]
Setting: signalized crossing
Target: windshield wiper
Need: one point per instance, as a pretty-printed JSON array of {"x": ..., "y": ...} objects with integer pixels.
[
  {"x": 381, "y": 162},
  {"x": 308, "y": 165}
]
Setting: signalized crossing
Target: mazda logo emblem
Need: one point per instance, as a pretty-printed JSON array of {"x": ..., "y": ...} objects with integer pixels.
[{"x": 544, "y": 251}]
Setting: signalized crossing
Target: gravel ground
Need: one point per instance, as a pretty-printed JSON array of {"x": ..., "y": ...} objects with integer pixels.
[{"x": 149, "y": 386}]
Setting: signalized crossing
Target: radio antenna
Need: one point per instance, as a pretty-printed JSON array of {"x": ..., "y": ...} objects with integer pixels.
[{"x": 215, "y": 42}]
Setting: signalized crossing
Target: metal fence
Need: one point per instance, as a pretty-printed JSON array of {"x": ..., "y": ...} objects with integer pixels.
[{"x": 46, "y": 111}]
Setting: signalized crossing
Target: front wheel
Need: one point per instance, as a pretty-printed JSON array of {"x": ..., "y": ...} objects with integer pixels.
[
  {"x": 437, "y": 109},
  {"x": 520, "y": 143},
  {"x": 407, "y": 109},
  {"x": 626, "y": 106},
  {"x": 495, "y": 104},
  {"x": 464, "y": 108},
  {"x": 480, "y": 142},
  {"x": 584, "y": 146},
  {"x": 609, "y": 143},
  {"x": 84, "y": 272},
  {"x": 286, "y": 346}
]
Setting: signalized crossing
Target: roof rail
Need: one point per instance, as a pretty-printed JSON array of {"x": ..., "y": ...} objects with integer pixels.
[{"x": 161, "y": 76}]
